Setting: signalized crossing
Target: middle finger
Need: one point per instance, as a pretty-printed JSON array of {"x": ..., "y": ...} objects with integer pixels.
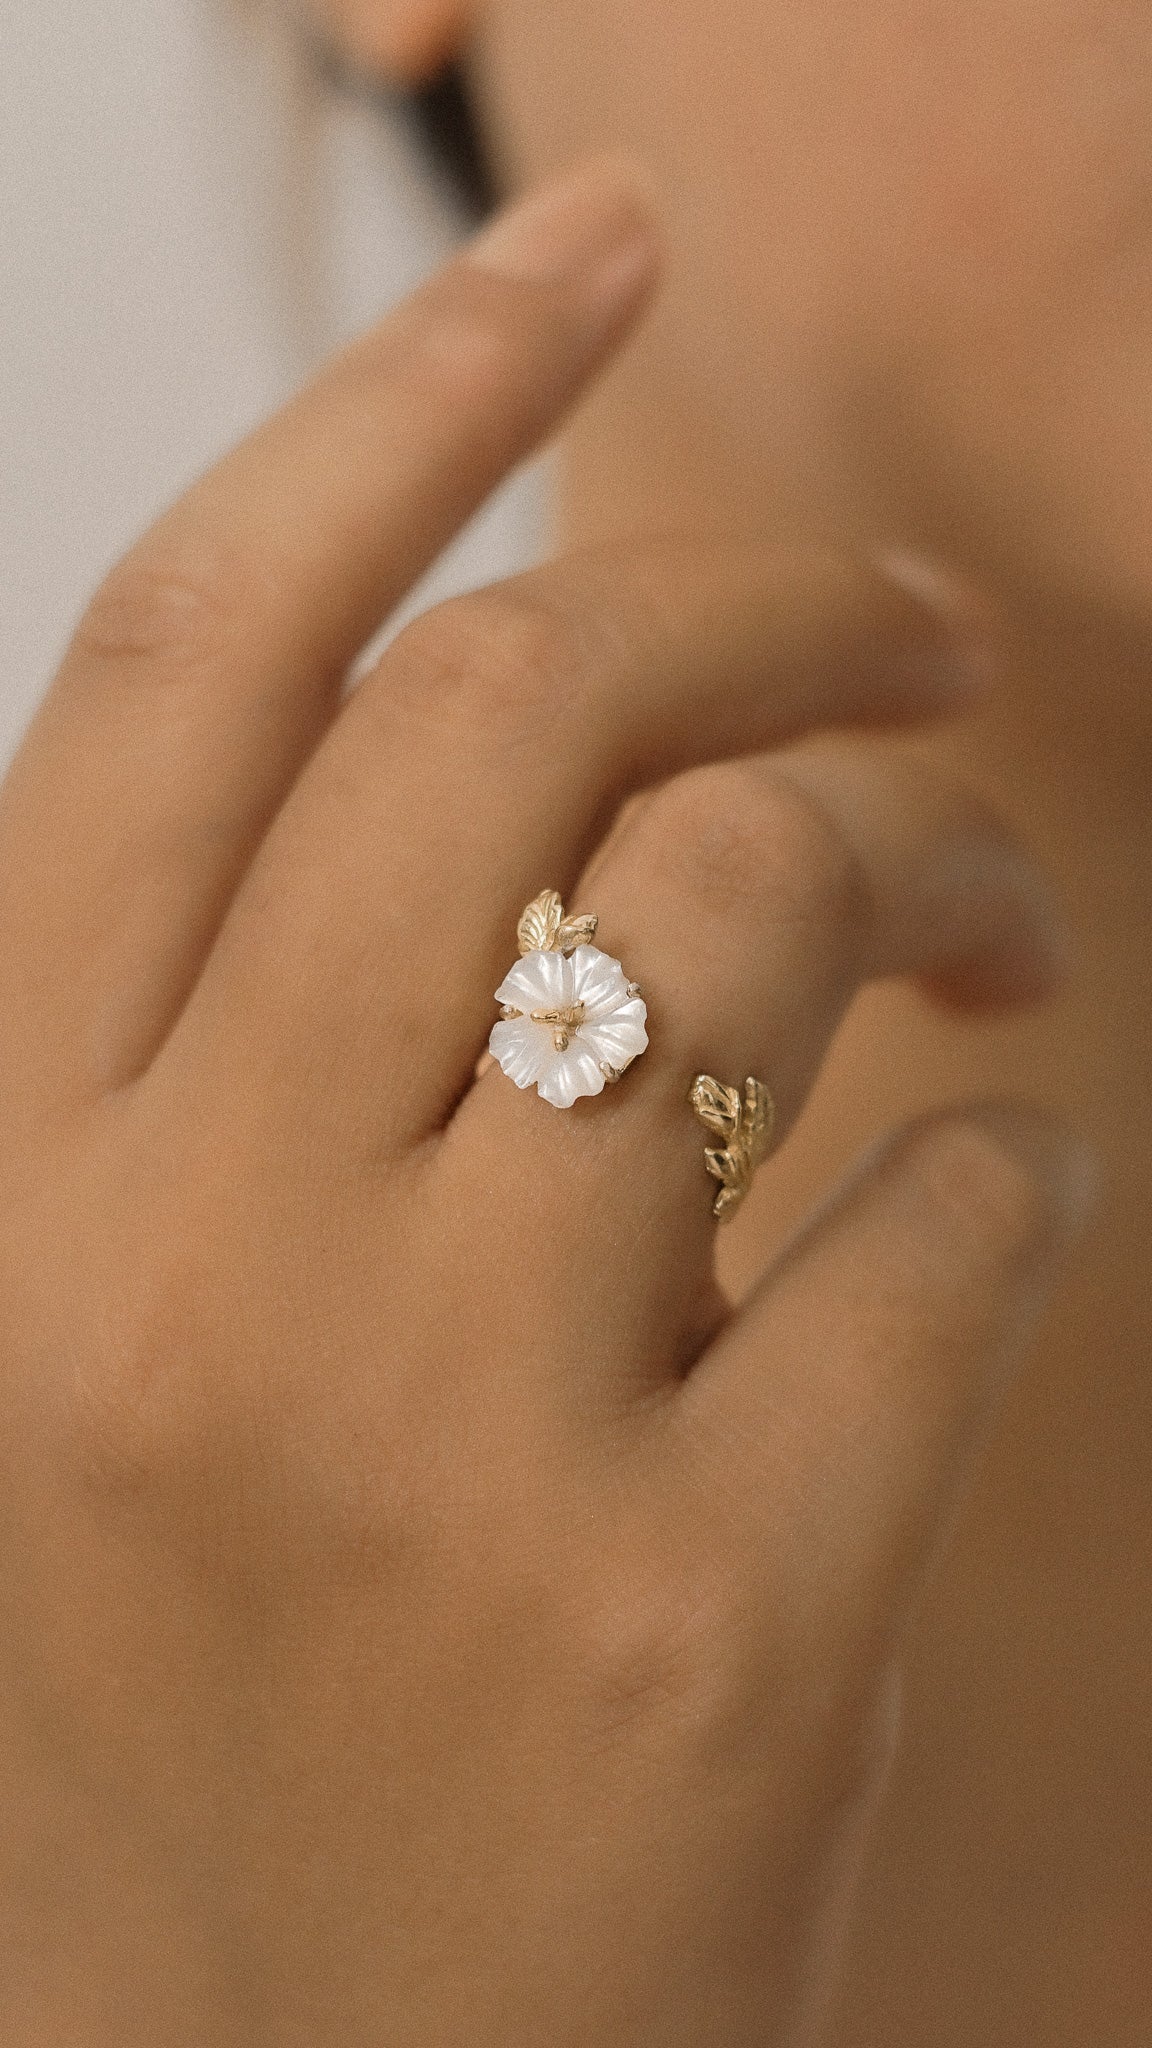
[{"x": 484, "y": 759}]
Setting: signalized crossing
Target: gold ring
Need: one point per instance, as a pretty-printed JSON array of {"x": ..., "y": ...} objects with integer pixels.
[
  {"x": 745, "y": 1120},
  {"x": 570, "y": 1020}
]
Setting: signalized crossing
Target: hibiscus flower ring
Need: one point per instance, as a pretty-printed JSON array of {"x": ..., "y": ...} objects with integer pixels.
[{"x": 570, "y": 1019}]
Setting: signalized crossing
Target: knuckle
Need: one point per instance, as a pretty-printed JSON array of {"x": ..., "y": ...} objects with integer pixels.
[
  {"x": 638, "y": 1675},
  {"x": 650, "y": 1653},
  {"x": 139, "y": 1388},
  {"x": 816, "y": 876},
  {"x": 457, "y": 343},
  {"x": 136, "y": 1416},
  {"x": 463, "y": 355},
  {"x": 122, "y": 1437},
  {"x": 980, "y": 1187},
  {"x": 502, "y": 657},
  {"x": 172, "y": 605},
  {"x": 745, "y": 834},
  {"x": 120, "y": 1417},
  {"x": 706, "y": 830}
]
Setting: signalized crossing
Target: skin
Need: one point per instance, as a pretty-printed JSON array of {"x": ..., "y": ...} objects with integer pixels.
[
  {"x": 429, "y": 1612},
  {"x": 909, "y": 303}
]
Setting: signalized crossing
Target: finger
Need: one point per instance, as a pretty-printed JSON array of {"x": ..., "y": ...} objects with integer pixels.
[
  {"x": 212, "y": 660},
  {"x": 751, "y": 901},
  {"x": 487, "y": 757},
  {"x": 841, "y": 1410}
]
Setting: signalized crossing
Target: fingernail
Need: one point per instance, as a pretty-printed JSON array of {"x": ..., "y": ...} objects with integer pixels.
[
  {"x": 964, "y": 659},
  {"x": 595, "y": 228}
]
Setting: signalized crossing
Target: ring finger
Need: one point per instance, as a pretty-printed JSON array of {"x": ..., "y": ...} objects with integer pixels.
[{"x": 751, "y": 900}]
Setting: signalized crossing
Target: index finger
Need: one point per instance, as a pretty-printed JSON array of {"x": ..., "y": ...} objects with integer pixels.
[{"x": 212, "y": 660}]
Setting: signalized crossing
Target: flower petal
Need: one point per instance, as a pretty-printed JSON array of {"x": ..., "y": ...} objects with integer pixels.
[
  {"x": 591, "y": 1074},
  {"x": 571, "y": 1073},
  {"x": 599, "y": 981},
  {"x": 612, "y": 1033},
  {"x": 620, "y": 1036},
  {"x": 540, "y": 981},
  {"x": 522, "y": 1049}
]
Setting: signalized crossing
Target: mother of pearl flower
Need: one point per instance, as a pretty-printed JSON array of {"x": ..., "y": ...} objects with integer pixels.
[{"x": 571, "y": 1020}]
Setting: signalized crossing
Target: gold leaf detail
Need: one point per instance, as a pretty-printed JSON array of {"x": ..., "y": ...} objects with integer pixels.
[
  {"x": 746, "y": 1119},
  {"x": 723, "y": 1166},
  {"x": 538, "y": 928},
  {"x": 576, "y": 931},
  {"x": 758, "y": 1121},
  {"x": 716, "y": 1106}
]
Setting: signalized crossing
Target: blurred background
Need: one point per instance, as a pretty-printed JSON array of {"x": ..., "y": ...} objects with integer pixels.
[{"x": 195, "y": 208}]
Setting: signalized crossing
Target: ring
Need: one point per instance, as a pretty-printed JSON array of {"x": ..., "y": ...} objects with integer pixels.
[
  {"x": 745, "y": 1119},
  {"x": 570, "y": 1020}
]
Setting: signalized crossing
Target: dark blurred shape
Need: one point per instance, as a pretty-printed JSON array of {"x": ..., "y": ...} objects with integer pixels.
[
  {"x": 443, "y": 114},
  {"x": 441, "y": 118}
]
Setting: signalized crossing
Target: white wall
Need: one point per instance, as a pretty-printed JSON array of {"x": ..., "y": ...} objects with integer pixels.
[{"x": 187, "y": 222}]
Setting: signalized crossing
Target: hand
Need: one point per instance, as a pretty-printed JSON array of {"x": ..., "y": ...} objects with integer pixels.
[{"x": 429, "y": 1615}]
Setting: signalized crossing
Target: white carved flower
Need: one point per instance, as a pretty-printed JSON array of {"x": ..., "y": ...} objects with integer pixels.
[{"x": 577, "y": 1023}]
